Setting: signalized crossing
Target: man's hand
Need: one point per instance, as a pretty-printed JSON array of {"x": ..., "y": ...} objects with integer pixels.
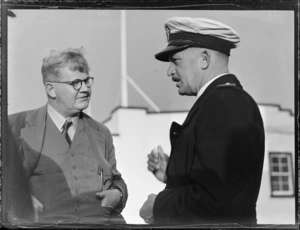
[
  {"x": 146, "y": 211},
  {"x": 109, "y": 198},
  {"x": 157, "y": 163}
]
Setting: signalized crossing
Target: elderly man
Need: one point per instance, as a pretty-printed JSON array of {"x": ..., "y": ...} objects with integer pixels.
[
  {"x": 214, "y": 170},
  {"x": 68, "y": 157}
]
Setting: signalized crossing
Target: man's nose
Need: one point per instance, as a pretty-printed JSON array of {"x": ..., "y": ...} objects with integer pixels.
[{"x": 171, "y": 70}]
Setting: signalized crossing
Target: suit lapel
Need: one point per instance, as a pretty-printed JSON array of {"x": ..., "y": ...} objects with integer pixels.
[
  {"x": 32, "y": 137},
  {"x": 97, "y": 141},
  {"x": 96, "y": 138},
  {"x": 228, "y": 78}
]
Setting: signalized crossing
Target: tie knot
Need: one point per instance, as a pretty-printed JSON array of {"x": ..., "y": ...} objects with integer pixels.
[
  {"x": 67, "y": 125},
  {"x": 65, "y": 131}
]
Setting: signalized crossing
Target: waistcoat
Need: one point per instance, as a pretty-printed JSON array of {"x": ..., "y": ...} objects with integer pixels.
[{"x": 66, "y": 179}]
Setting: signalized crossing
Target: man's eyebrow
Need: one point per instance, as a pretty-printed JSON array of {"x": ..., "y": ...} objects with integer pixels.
[
  {"x": 172, "y": 58},
  {"x": 78, "y": 79}
]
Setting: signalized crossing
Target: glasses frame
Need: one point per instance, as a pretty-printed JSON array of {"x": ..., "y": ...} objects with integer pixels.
[{"x": 72, "y": 83}]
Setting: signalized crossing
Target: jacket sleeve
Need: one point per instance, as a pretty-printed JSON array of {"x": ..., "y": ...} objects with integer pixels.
[
  {"x": 15, "y": 123},
  {"x": 117, "y": 180},
  {"x": 16, "y": 192},
  {"x": 227, "y": 142}
]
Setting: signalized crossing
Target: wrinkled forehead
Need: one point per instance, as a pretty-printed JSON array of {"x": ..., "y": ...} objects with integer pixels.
[
  {"x": 76, "y": 66},
  {"x": 69, "y": 73}
]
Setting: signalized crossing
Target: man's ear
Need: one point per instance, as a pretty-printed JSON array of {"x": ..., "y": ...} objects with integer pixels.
[
  {"x": 50, "y": 90},
  {"x": 204, "y": 58}
]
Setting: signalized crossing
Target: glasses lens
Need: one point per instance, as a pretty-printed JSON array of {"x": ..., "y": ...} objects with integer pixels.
[
  {"x": 89, "y": 82},
  {"x": 77, "y": 84}
]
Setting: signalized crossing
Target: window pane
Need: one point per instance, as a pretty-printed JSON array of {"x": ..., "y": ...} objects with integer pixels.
[
  {"x": 275, "y": 168},
  {"x": 285, "y": 187},
  {"x": 274, "y": 179},
  {"x": 285, "y": 169},
  {"x": 275, "y": 187},
  {"x": 284, "y": 179},
  {"x": 284, "y": 160},
  {"x": 274, "y": 159}
]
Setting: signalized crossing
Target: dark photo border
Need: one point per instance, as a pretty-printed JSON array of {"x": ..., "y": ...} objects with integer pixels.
[{"x": 7, "y": 6}]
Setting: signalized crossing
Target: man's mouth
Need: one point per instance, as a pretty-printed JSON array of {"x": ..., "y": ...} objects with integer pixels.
[
  {"x": 177, "y": 81},
  {"x": 83, "y": 98}
]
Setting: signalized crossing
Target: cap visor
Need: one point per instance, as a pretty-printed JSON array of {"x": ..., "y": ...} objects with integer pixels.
[{"x": 165, "y": 54}]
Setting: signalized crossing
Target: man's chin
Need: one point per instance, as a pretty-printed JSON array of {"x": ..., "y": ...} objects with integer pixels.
[
  {"x": 184, "y": 93},
  {"x": 181, "y": 92},
  {"x": 82, "y": 106}
]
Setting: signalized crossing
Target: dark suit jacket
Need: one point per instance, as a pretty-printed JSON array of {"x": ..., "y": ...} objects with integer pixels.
[
  {"x": 215, "y": 167},
  {"x": 28, "y": 129}
]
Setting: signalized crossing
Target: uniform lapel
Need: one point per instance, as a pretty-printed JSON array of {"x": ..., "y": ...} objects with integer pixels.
[{"x": 228, "y": 78}]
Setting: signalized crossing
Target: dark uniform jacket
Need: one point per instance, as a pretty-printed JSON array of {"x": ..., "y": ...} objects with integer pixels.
[{"x": 215, "y": 166}]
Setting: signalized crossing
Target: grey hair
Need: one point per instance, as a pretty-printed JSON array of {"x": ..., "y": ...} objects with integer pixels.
[{"x": 58, "y": 59}]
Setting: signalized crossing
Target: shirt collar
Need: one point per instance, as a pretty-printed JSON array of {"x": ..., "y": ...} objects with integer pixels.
[
  {"x": 201, "y": 91},
  {"x": 59, "y": 120}
]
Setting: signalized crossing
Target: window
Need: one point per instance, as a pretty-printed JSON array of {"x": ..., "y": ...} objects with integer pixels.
[{"x": 281, "y": 173}]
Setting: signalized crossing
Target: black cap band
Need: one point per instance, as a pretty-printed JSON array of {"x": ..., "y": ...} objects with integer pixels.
[
  {"x": 183, "y": 40},
  {"x": 200, "y": 40}
]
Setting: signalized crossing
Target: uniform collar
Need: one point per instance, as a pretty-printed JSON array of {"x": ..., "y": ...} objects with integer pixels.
[
  {"x": 201, "y": 91},
  {"x": 225, "y": 78}
]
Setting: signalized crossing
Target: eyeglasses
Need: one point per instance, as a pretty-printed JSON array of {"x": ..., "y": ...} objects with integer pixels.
[{"x": 77, "y": 83}]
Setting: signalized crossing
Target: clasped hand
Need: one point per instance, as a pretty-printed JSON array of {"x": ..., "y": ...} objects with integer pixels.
[{"x": 109, "y": 198}]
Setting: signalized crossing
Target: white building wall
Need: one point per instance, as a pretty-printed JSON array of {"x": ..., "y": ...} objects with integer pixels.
[
  {"x": 136, "y": 132},
  {"x": 279, "y": 131}
]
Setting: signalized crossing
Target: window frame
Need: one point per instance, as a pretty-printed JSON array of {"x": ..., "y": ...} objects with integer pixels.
[{"x": 289, "y": 174}]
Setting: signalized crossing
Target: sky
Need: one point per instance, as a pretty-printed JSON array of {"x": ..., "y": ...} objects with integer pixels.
[{"x": 263, "y": 62}]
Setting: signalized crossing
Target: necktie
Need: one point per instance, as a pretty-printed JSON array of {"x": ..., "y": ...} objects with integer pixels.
[{"x": 65, "y": 131}]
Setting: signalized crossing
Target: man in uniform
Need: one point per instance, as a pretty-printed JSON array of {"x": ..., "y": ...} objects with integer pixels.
[
  {"x": 68, "y": 157},
  {"x": 214, "y": 171}
]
